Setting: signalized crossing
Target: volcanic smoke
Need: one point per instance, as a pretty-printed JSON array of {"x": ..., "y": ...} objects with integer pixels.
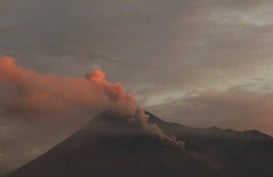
[{"x": 26, "y": 92}]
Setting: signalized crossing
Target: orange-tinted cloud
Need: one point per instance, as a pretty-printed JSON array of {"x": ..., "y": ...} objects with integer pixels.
[
  {"x": 26, "y": 93},
  {"x": 32, "y": 91}
]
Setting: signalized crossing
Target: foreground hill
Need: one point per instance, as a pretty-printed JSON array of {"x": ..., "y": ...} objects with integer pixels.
[{"x": 110, "y": 146}]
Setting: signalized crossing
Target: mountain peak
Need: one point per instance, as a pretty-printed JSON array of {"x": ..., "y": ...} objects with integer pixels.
[{"x": 111, "y": 146}]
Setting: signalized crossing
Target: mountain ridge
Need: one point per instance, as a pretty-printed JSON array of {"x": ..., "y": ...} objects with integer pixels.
[
  {"x": 155, "y": 119},
  {"x": 107, "y": 148},
  {"x": 111, "y": 146}
]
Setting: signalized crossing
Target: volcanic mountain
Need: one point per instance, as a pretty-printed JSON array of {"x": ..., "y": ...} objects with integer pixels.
[{"x": 110, "y": 146}]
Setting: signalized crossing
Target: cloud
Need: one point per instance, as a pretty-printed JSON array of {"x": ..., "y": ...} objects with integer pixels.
[
  {"x": 197, "y": 42},
  {"x": 25, "y": 91},
  {"x": 234, "y": 108},
  {"x": 55, "y": 106},
  {"x": 38, "y": 110}
]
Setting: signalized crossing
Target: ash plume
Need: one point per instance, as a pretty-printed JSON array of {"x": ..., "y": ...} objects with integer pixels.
[{"x": 28, "y": 93}]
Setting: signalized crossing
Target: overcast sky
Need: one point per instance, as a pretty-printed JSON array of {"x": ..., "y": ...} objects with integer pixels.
[{"x": 201, "y": 63}]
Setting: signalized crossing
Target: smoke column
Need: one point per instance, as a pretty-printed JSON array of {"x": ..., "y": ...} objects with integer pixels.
[{"x": 27, "y": 93}]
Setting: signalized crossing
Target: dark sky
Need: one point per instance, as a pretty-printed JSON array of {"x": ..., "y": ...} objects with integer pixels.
[{"x": 201, "y": 63}]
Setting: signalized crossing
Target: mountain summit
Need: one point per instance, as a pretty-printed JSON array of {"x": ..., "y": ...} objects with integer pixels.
[{"x": 112, "y": 146}]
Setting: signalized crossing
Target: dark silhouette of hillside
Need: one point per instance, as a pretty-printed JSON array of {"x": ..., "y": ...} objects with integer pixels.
[{"x": 110, "y": 146}]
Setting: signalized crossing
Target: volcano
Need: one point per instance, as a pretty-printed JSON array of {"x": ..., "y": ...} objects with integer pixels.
[{"x": 110, "y": 146}]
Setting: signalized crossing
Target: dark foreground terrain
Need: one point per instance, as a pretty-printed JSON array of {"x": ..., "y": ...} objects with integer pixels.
[{"x": 111, "y": 147}]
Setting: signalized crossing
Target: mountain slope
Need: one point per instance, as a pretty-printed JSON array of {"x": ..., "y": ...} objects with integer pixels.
[
  {"x": 236, "y": 154},
  {"x": 109, "y": 147}
]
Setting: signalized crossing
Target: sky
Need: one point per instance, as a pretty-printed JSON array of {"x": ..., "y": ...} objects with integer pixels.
[{"x": 200, "y": 63}]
